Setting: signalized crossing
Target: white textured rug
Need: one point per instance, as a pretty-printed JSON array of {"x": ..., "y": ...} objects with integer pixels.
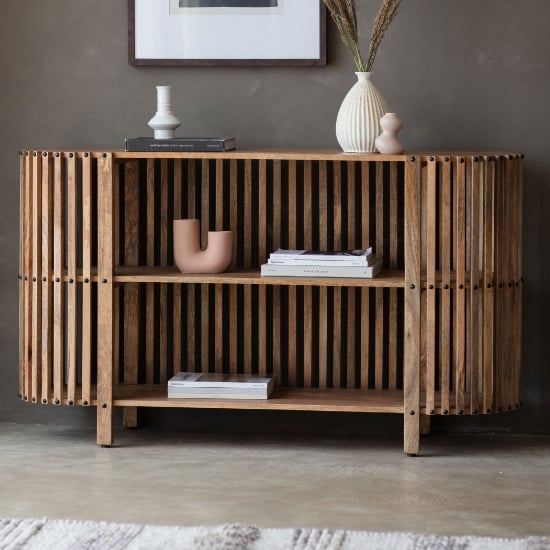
[{"x": 33, "y": 534}]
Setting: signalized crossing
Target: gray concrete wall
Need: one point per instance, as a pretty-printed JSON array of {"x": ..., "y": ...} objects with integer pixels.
[{"x": 462, "y": 75}]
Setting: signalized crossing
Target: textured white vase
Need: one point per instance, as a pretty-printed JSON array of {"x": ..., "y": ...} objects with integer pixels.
[
  {"x": 165, "y": 122},
  {"x": 387, "y": 142},
  {"x": 358, "y": 121}
]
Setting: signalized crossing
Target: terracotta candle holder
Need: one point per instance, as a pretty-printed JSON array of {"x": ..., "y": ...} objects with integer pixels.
[{"x": 188, "y": 255}]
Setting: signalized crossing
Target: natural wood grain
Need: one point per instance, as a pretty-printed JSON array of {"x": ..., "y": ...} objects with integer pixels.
[
  {"x": 87, "y": 248},
  {"x": 105, "y": 301},
  {"x": 36, "y": 334},
  {"x": 58, "y": 289},
  {"x": 411, "y": 367}
]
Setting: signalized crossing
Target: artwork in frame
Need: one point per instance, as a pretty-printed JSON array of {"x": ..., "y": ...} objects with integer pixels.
[{"x": 226, "y": 32}]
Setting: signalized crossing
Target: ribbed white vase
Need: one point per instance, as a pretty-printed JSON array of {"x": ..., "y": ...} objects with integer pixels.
[{"x": 358, "y": 121}]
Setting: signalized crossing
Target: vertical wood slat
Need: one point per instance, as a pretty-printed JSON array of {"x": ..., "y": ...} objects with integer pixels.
[
  {"x": 460, "y": 292},
  {"x": 219, "y": 288},
  {"x": 337, "y": 199},
  {"x": 445, "y": 249},
  {"x": 233, "y": 217},
  {"x": 379, "y": 292},
  {"x": 431, "y": 277},
  {"x": 58, "y": 289},
  {"x": 72, "y": 297},
  {"x": 27, "y": 277},
  {"x": 519, "y": 280},
  {"x": 394, "y": 262},
  {"x": 292, "y": 363},
  {"x": 205, "y": 227},
  {"x": 276, "y": 291},
  {"x": 308, "y": 291},
  {"x": 163, "y": 287},
  {"x": 365, "y": 293},
  {"x": 324, "y": 334},
  {"x": 47, "y": 283},
  {"x": 488, "y": 286},
  {"x": 131, "y": 319},
  {"x": 36, "y": 272},
  {"x": 87, "y": 246},
  {"x": 105, "y": 300},
  {"x": 22, "y": 259},
  {"x": 177, "y": 289},
  {"x": 475, "y": 280},
  {"x": 411, "y": 366},
  {"x": 150, "y": 288},
  {"x": 190, "y": 289},
  {"x": 248, "y": 232},
  {"x": 262, "y": 258},
  {"x": 350, "y": 305}
]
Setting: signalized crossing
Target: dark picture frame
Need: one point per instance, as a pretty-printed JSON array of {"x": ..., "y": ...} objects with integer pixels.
[{"x": 138, "y": 29}]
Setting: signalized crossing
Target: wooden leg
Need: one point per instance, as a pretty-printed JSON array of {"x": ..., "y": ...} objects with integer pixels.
[
  {"x": 104, "y": 425},
  {"x": 130, "y": 417},
  {"x": 425, "y": 424},
  {"x": 412, "y": 434}
]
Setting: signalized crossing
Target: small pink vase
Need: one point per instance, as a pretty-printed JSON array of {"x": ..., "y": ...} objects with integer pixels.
[
  {"x": 387, "y": 142},
  {"x": 188, "y": 255}
]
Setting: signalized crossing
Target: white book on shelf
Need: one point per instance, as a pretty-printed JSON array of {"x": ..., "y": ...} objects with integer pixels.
[
  {"x": 362, "y": 272},
  {"x": 323, "y": 255},
  {"x": 220, "y": 380},
  {"x": 208, "y": 395},
  {"x": 359, "y": 262}
]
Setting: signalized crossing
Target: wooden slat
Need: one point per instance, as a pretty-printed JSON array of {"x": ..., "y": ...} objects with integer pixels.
[
  {"x": 365, "y": 298},
  {"x": 72, "y": 297},
  {"x": 87, "y": 248},
  {"x": 336, "y": 337},
  {"x": 411, "y": 367},
  {"x": 248, "y": 230},
  {"x": 379, "y": 293},
  {"x": 460, "y": 292},
  {"x": 47, "y": 271},
  {"x": 308, "y": 291},
  {"x": 292, "y": 363},
  {"x": 164, "y": 223},
  {"x": 473, "y": 182},
  {"x": 58, "y": 289},
  {"x": 23, "y": 314},
  {"x": 324, "y": 336},
  {"x": 276, "y": 292},
  {"x": 488, "y": 288},
  {"x": 431, "y": 276},
  {"x": 131, "y": 291},
  {"x": 350, "y": 245},
  {"x": 262, "y": 258},
  {"x": 205, "y": 332},
  {"x": 150, "y": 288},
  {"x": 445, "y": 248},
  {"x": 394, "y": 263},
  {"x": 206, "y": 224},
  {"x": 105, "y": 301},
  {"x": 36, "y": 336},
  {"x": 176, "y": 289},
  {"x": 508, "y": 317}
]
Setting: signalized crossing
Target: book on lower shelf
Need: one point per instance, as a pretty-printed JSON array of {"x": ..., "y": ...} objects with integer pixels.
[
  {"x": 180, "y": 144},
  {"x": 359, "y": 272},
  {"x": 192, "y": 385}
]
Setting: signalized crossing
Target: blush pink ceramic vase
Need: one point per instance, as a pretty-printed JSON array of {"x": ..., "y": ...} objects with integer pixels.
[
  {"x": 188, "y": 255},
  {"x": 387, "y": 142}
]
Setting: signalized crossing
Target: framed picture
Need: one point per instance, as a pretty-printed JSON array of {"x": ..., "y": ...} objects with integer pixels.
[{"x": 226, "y": 32}]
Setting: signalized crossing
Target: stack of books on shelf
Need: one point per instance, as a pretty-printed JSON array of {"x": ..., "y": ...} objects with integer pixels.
[
  {"x": 196, "y": 385},
  {"x": 309, "y": 263}
]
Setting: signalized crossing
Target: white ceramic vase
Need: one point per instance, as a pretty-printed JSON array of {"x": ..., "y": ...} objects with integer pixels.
[
  {"x": 358, "y": 121},
  {"x": 387, "y": 142},
  {"x": 165, "y": 122}
]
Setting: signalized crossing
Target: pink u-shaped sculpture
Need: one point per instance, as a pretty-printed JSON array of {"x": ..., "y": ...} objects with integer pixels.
[{"x": 188, "y": 255}]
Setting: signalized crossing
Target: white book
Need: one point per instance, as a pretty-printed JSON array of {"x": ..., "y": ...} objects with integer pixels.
[
  {"x": 206, "y": 395},
  {"x": 363, "y": 272},
  {"x": 215, "y": 380},
  {"x": 359, "y": 262},
  {"x": 323, "y": 255},
  {"x": 189, "y": 390}
]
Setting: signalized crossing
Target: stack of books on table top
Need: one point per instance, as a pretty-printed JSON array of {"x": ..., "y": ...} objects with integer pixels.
[
  {"x": 196, "y": 385},
  {"x": 310, "y": 263}
]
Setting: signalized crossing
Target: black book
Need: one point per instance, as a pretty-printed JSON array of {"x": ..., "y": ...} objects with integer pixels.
[{"x": 180, "y": 144}]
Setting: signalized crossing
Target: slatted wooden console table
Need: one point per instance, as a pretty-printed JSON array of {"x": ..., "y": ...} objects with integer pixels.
[{"x": 105, "y": 318}]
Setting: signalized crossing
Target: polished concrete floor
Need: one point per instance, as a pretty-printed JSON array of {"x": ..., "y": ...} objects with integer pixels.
[{"x": 462, "y": 484}]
